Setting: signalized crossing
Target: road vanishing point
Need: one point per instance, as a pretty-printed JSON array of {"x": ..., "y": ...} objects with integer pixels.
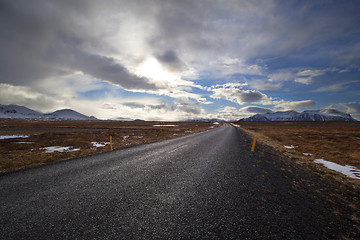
[{"x": 207, "y": 185}]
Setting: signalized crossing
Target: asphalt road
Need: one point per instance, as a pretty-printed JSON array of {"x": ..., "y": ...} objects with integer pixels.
[{"x": 206, "y": 185}]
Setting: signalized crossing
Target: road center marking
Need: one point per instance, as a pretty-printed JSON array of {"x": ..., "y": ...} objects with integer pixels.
[{"x": 174, "y": 150}]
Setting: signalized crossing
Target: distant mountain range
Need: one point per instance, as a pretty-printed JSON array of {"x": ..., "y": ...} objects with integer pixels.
[
  {"x": 206, "y": 120},
  {"x": 315, "y": 115},
  {"x": 15, "y": 111}
]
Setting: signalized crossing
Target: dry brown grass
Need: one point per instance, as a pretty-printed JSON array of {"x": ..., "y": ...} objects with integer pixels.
[
  {"x": 79, "y": 134},
  {"x": 337, "y": 142}
]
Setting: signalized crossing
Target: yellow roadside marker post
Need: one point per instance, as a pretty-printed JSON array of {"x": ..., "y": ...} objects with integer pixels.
[
  {"x": 111, "y": 147},
  {"x": 253, "y": 145}
]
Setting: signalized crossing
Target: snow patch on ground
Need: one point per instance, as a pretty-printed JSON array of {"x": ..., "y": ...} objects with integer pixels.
[
  {"x": 138, "y": 136},
  {"x": 235, "y": 125},
  {"x": 307, "y": 154},
  {"x": 23, "y": 142},
  {"x": 59, "y": 149},
  {"x": 125, "y": 137},
  {"x": 98, "y": 144},
  {"x": 13, "y": 136},
  {"x": 216, "y": 123},
  {"x": 347, "y": 170},
  {"x": 165, "y": 125},
  {"x": 289, "y": 147}
]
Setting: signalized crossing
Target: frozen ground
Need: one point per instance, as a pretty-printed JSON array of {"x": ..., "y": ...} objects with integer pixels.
[
  {"x": 347, "y": 170},
  {"x": 138, "y": 137},
  {"x": 23, "y": 142},
  {"x": 59, "y": 149},
  {"x": 289, "y": 147},
  {"x": 168, "y": 125},
  {"x": 13, "y": 136},
  {"x": 98, "y": 144},
  {"x": 307, "y": 154}
]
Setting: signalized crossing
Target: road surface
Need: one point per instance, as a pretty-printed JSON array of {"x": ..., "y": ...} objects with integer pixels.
[{"x": 206, "y": 185}]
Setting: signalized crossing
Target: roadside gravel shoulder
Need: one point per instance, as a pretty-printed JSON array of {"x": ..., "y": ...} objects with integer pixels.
[
  {"x": 335, "y": 196},
  {"x": 301, "y": 159}
]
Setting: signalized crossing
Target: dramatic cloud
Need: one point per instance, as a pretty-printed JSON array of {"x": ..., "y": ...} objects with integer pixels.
[
  {"x": 264, "y": 85},
  {"x": 306, "y": 76},
  {"x": 228, "y": 113},
  {"x": 171, "y": 61},
  {"x": 229, "y": 66},
  {"x": 62, "y": 54},
  {"x": 151, "y": 111},
  {"x": 335, "y": 87},
  {"x": 292, "y": 105},
  {"x": 252, "y": 109},
  {"x": 281, "y": 76},
  {"x": 232, "y": 92},
  {"x": 53, "y": 39},
  {"x": 238, "y": 95},
  {"x": 27, "y": 96},
  {"x": 105, "y": 68},
  {"x": 352, "y": 108}
]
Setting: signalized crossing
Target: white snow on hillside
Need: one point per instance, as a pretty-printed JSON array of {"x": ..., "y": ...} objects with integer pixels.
[
  {"x": 314, "y": 115},
  {"x": 14, "y": 111},
  {"x": 67, "y": 114}
]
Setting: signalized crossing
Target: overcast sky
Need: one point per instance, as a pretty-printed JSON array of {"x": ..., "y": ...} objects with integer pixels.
[{"x": 180, "y": 59}]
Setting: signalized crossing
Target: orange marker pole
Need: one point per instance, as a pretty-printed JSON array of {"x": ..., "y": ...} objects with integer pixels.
[
  {"x": 253, "y": 145},
  {"x": 111, "y": 147}
]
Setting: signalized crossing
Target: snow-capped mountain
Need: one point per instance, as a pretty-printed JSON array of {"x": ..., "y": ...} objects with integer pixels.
[
  {"x": 315, "y": 115},
  {"x": 206, "y": 120},
  {"x": 15, "y": 111},
  {"x": 68, "y": 114}
]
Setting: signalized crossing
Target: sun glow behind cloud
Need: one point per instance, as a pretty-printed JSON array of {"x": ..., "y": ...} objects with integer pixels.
[
  {"x": 182, "y": 59},
  {"x": 152, "y": 69}
]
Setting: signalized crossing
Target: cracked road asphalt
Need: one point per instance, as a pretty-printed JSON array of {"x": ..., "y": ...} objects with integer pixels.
[{"x": 206, "y": 185}]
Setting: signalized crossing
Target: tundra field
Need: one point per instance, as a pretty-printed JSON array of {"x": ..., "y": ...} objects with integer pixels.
[
  {"x": 337, "y": 142},
  {"x": 26, "y": 143}
]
